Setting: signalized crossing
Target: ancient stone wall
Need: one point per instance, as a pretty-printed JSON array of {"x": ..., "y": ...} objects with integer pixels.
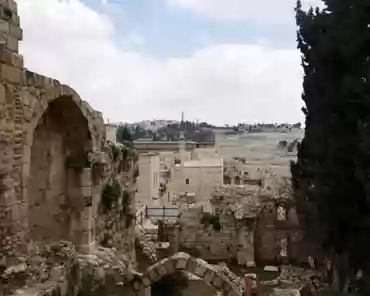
[
  {"x": 210, "y": 243},
  {"x": 115, "y": 222},
  {"x": 53, "y": 156},
  {"x": 211, "y": 274},
  {"x": 225, "y": 239},
  {"x": 278, "y": 228}
]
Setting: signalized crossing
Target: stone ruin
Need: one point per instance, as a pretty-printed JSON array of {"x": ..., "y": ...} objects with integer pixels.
[
  {"x": 64, "y": 190},
  {"x": 60, "y": 180}
]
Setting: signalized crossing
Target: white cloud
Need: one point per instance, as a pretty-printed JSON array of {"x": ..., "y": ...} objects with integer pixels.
[
  {"x": 220, "y": 83},
  {"x": 268, "y": 11}
]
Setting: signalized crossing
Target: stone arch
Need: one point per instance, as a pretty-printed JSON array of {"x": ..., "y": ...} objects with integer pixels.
[
  {"x": 211, "y": 275},
  {"x": 61, "y": 127},
  {"x": 50, "y": 96}
]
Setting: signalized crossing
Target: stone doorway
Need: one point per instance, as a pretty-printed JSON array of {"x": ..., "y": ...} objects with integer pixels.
[{"x": 55, "y": 203}]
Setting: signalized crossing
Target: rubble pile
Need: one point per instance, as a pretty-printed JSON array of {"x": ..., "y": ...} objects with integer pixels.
[
  {"x": 242, "y": 201},
  {"x": 42, "y": 264},
  {"x": 57, "y": 269},
  {"x": 146, "y": 243},
  {"x": 238, "y": 282},
  {"x": 102, "y": 271}
]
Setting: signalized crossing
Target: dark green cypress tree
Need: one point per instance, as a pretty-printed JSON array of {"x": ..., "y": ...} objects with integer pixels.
[
  {"x": 331, "y": 177},
  {"x": 124, "y": 134}
]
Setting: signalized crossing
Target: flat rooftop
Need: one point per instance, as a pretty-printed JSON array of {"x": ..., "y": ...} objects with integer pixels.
[{"x": 206, "y": 162}]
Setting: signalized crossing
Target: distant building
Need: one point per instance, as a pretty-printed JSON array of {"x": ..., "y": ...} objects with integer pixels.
[
  {"x": 149, "y": 178},
  {"x": 197, "y": 176},
  {"x": 111, "y": 132}
]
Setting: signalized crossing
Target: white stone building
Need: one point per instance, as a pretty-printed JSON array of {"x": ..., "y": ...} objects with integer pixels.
[
  {"x": 198, "y": 177},
  {"x": 111, "y": 132},
  {"x": 149, "y": 179}
]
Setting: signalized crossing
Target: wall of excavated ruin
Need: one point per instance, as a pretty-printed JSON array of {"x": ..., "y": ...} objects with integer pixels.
[
  {"x": 115, "y": 219},
  {"x": 54, "y": 160},
  {"x": 274, "y": 230},
  {"x": 207, "y": 242},
  {"x": 43, "y": 124}
]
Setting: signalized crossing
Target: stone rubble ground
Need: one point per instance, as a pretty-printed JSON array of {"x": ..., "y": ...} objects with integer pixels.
[
  {"x": 42, "y": 264},
  {"x": 147, "y": 244},
  {"x": 59, "y": 263},
  {"x": 237, "y": 281}
]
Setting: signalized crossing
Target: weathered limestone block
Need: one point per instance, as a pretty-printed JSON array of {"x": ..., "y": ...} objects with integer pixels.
[
  {"x": 181, "y": 260},
  {"x": 201, "y": 268},
  {"x": 16, "y": 32},
  {"x": 153, "y": 274},
  {"x": 170, "y": 266},
  {"x": 10, "y": 74},
  {"x": 11, "y": 58},
  {"x": 33, "y": 79},
  {"x": 217, "y": 281},
  {"x": 208, "y": 276},
  {"x": 12, "y": 43}
]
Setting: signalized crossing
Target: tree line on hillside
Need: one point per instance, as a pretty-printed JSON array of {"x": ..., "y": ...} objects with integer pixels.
[
  {"x": 331, "y": 177},
  {"x": 170, "y": 132}
]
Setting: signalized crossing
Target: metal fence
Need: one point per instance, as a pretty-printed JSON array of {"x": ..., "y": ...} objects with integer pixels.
[{"x": 162, "y": 212}]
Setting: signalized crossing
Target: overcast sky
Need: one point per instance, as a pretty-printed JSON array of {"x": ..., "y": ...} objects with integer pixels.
[{"x": 221, "y": 61}]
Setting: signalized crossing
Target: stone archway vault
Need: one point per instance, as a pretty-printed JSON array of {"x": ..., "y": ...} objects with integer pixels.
[
  {"x": 53, "y": 94},
  {"x": 62, "y": 126},
  {"x": 184, "y": 262}
]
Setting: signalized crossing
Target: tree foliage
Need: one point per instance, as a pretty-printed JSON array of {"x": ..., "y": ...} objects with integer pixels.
[
  {"x": 331, "y": 175},
  {"x": 124, "y": 134}
]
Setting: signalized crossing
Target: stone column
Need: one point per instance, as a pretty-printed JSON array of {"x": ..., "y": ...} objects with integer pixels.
[
  {"x": 10, "y": 35},
  {"x": 13, "y": 207},
  {"x": 87, "y": 240}
]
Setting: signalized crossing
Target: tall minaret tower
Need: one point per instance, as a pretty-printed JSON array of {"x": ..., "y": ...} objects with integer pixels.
[
  {"x": 182, "y": 141},
  {"x": 182, "y": 147}
]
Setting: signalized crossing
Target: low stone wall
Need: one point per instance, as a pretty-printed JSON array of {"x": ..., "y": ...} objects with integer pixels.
[
  {"x": 231, "y": 241},
  {"x": 270, "y": 232},
  {"x": 211, "y": 244}
]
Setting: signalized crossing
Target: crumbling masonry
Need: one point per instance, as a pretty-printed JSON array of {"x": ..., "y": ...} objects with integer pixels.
[{"x": 51, "y": 142}]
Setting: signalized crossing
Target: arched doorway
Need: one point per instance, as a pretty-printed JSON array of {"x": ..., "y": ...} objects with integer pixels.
[
  {"x": 142, "y": 285},
  {"x": 227, "y": 180},
  {"x": 182, "y": 283},
  {"x": 61, "y": 137}
]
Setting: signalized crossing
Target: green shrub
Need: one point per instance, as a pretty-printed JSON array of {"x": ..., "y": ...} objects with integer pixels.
[
  {"x": 115, "y": 152},
  {"x": 209, "y": 219},
  {"x": 111, "y": 195}
]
